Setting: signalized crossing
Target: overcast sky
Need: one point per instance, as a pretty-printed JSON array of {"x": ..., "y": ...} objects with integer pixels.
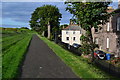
[{"x": 17, "y": 14}]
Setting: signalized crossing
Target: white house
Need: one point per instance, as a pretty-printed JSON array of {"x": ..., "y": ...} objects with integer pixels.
[{"x": 72, "y": 34}]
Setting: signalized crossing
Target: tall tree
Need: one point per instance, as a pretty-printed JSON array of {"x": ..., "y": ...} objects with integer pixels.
[
  {"x": 88, "y": 15},
  {"x": 46, "y": 18}
]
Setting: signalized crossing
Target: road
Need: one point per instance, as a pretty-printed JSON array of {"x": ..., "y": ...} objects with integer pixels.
[{"x": 41, "y": 62}]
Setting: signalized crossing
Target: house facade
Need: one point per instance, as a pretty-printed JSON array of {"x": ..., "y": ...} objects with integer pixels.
[
  {"x": 72, "y": 34},
  {"x": 108, "y": 35}
]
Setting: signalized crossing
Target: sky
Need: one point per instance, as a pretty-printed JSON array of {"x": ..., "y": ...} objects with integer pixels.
[{"x": 18, "y": 14}]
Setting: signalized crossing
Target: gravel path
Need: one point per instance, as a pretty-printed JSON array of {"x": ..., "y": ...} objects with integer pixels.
[{"x": 42, "y": 62}]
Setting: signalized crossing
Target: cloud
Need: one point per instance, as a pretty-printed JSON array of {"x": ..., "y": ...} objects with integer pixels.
[
  {"x": 21, "y": 11},
  {"x": 33, "y": 0},
  {"x": 56, "y": 0},
  {"x": 13, "y": 26}
]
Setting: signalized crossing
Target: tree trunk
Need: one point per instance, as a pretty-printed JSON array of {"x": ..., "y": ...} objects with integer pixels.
[
  {"x": 48, "y": 30},
  {"x": 92, "y": 45},
  {"x": 56, "y": 38}
]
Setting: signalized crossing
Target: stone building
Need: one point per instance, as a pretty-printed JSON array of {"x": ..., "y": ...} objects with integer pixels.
[{"x": 108, "y": 35}]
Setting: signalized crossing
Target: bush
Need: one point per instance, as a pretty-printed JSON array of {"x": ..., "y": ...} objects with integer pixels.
[{"x": 85, "y": 49}]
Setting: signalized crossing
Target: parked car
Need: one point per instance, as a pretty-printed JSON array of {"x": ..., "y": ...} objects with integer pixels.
[
  {"x": 99, "y": 54},
  {"x": 69, "y": 46},
  {"x": 75, "y": 45}
]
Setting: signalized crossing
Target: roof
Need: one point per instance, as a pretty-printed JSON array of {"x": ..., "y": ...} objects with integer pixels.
[{"x": 72, "y": 27}]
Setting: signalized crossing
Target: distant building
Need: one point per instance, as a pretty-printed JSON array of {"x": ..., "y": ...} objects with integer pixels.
[
  {"x": 72, "y": 34},
  {"x": 108, "y": 35}
]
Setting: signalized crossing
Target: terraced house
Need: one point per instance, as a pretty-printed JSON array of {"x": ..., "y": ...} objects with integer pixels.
[
  {"x": 72, "y": 34},
  {"x": 108, "y": 35}
]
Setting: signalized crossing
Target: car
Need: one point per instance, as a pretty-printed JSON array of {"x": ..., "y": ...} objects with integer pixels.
[
  {"x": 69, "y": 46},
  {"x": 99, "y": 54},
  {"x": 75, "y": 45}
]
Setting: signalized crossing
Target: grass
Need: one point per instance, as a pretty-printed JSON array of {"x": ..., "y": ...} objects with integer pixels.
[
  {"x": 11, "y": 41},
  {"x": 78, "y": 64},
  {"x": 0, "y": 65},
  {"x": 14, "y": 47}
]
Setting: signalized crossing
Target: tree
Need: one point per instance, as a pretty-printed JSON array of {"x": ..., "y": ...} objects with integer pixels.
[
  {"x": 24, "y": 28},
  {"x": 63, "y": 26},
  {"x": 88, "y": 15},
  {"x": 45, "y": 18}
]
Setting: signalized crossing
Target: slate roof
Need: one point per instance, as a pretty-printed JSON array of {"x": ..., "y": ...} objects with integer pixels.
[{"x": 72, "y": 27}]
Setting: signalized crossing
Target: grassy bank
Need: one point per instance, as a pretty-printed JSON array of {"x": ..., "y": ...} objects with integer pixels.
[
  {"x": 14, "y": 46},
  {"x": 80, "y": 66}
]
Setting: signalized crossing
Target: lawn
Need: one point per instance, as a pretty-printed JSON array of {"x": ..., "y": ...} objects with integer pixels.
[
  {"x": 80, "y": 66},
  {"x": 14, "y": 46}
]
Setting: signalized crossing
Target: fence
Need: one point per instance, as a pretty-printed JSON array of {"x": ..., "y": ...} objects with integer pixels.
[{"x": 107, "y": 67}]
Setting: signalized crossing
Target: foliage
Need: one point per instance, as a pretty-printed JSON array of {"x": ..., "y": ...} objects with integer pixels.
[
  {"x": 85, "y": 48},
  {"x": 63, "y": 26},
  {"x": 88, "y": 15},
  {"x": 24, "y": 28},
  {"x": 115, "y": 61},
  {"x": 44, "y": 15},
  {"x": 9, "y": 29}
]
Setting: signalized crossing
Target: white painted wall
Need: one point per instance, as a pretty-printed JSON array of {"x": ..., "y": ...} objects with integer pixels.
[{"x": 70, "y": 34}]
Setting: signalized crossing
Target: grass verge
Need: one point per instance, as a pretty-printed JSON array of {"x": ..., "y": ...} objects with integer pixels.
[
  {"x": 78, "y": 64},
  {"x": 12, "y": 58}
]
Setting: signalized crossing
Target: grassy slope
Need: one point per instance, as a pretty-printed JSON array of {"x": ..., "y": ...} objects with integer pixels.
[
  {"x": 13, "y": 55},
  {"x": 79, "y": 65},
  {"x": 0, "y": 63}
]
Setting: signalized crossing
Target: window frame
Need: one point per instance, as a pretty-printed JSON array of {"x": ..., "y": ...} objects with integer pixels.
[
  {"x": 108, "y": 43},
  {"x": 67, "y": 32},
  {"x": 74, "y": 38},
  {"x": 108, "y": 26},
  {"x": 73, "y": 32},
  {"x": 67, "y": 38},
  {"x": 118, "y": 24},
  {"x": 96, "y": 40}
]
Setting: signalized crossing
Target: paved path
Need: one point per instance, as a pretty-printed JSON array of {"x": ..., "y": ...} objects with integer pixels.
[{"x": 42, "y": 62}]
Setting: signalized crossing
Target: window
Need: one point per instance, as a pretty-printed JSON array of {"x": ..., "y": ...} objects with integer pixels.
[
  {"x": 67, "y": 38},
  {"x": 107, "y": 42},
  {"x": 118, "y": 24},
  {"x": 73, "y": 32},
  {"x": 118, "y": 42},
  {"x": 96, "y": 40},
  {"x": 73, "y": 38},
  {"x": 108, "y": 26},
  {"x": 66, "y": 32}
]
